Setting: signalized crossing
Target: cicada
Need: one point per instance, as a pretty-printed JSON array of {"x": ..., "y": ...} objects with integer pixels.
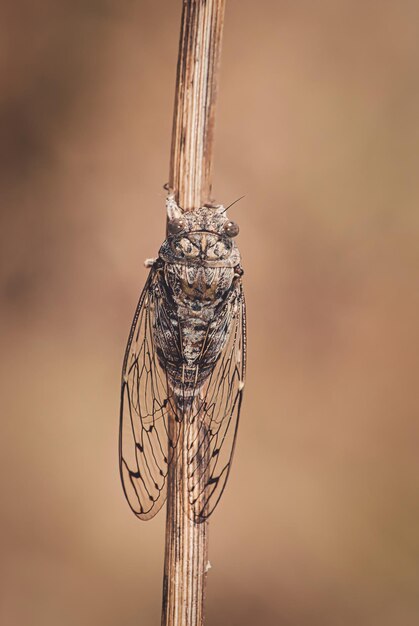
[{"x": 184, "y": 366}]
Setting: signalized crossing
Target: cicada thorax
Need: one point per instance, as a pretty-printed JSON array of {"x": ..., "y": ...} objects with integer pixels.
[
  {"x": 198, "y": 276},
  {"x": 197, "y": 290}
]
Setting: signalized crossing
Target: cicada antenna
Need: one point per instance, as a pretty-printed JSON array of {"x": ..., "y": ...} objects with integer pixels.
[
  {"x": 171, "y": 192},
  {"x": 230, "y": 205}
]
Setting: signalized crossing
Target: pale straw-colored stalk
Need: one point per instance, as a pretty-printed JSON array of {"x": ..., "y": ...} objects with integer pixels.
[{"x": 186, "y": 555}]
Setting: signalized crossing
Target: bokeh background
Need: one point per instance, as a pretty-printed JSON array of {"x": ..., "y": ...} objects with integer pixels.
[{"x": 318, "y": 126}]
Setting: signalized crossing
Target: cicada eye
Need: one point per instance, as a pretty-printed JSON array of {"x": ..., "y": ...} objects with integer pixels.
[
  {"x": 231, "y": 229},
  {"x": 176, "y": 226}
]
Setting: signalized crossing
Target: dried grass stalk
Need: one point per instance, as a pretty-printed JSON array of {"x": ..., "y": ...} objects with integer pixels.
[{"x": 186, "y": 556}]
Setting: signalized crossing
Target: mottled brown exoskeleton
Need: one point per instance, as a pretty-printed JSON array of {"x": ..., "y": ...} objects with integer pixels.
[{"x": 185, "y": 362}]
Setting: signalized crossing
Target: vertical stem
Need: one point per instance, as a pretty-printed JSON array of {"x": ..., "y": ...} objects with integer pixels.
[
  {"x": 186, "y": 553},
  {"x": 186, "y": 549},
  {"x": 196, "y": 91}
]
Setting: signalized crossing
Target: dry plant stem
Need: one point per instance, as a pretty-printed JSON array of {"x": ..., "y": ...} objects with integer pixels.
[
  {"x": 195, "y": 99},
  {"x": 186, "y": 555}
]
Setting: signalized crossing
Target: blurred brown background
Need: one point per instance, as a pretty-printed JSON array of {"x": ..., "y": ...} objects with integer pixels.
[{"x": 318, "y": 126}]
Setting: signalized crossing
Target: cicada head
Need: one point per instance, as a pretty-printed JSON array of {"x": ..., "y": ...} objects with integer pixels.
[{"x": 204, "y": 236}]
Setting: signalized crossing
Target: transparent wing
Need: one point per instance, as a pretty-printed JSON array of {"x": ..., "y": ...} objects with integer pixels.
[
  {"x": 211, "y": 428},
  {"x": 146, "y": 445}
]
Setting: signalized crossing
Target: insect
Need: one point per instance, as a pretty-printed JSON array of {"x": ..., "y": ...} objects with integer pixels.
[{"x": 184, "y": 366}]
